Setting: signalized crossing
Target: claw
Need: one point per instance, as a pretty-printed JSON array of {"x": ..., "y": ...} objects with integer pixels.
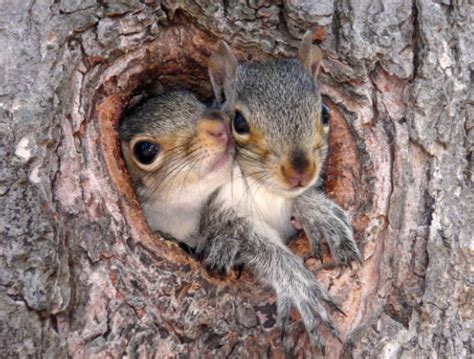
[
  {"x": 328, "y": 299},
  {"x": 222, "y": 271},
  {"x": 335, "y": 333},
  {"x": 212, "y": 268},
  {"x": 333, "y": 330},
  {"x": 283, "y": 314},
  {"x": 317, "y": 341},
  {"x": 199, "y": 254},
  {"x": 337, "y": 307},
  {"x": 282, "y": 333},
  {"x": 189, "y": 250},
  {"x": 239, "y": 267},
  {"x": 317, "y": 251}
]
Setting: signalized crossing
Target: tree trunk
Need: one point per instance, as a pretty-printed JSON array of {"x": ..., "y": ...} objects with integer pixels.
[{"x": 82, "y": 276}]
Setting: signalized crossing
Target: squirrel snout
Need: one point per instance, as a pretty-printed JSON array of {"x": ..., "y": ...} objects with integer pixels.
[
  {"x": 215, "y": 128},
  {"x": 219, "y": 132},
  {"x": 300, "y": 180},
  {"x": 298, "y": 170}
]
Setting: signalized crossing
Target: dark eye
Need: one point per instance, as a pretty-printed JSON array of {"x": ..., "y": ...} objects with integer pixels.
[
  {"x": 325, "y": 115},
  {"x": 145, "y": 152},
  {"x": 240, "y": 124}
]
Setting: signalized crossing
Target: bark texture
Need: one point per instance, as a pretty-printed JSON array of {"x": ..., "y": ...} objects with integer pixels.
[{"x": 82, "y": 276}]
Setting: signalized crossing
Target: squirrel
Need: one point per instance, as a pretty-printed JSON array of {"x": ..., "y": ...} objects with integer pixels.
[
  {"x": 280, "y": 129},
  {"x": 177, "y": 151}
]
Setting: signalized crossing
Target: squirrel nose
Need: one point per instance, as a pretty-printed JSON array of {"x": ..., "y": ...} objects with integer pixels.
[
  {"x": 298, "y": 170},
  {"x": 218, "y": 132},
  {"x": 215, "y": 127},
  {"x": 300, "y": 180}
]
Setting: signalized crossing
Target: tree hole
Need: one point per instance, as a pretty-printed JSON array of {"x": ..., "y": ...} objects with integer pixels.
[{"x": 178, "y": 60}]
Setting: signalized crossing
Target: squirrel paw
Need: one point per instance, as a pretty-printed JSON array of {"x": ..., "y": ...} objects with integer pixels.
[
  {"x": 333, "y": 224},
  {"x": 219, "y": 254},
  {"x": 340, "y": 237},
  {"x": 307, "y": 296},
  {"x": 283, "y": 316}
]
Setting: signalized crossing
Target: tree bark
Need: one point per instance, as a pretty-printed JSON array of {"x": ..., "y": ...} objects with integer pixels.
[{"x": 82, "y": 276}]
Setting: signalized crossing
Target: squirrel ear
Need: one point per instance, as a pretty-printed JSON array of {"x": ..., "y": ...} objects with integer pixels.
[
  {"x": 222, "y": 69},
  {"x": 310, "y": 55}
]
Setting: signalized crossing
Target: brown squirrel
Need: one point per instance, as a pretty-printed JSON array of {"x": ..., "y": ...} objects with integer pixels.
[{"x": 280, "y": 129}]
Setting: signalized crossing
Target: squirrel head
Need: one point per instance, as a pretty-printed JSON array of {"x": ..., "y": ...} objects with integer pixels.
[
  {"x": 172, "y": 142},
  {"x": 278, "y": 121}
]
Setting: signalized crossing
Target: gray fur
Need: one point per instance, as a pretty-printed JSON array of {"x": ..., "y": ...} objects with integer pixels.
[
  {"x": 162, "y": 115},
  {"x": 281, "y": 96}
]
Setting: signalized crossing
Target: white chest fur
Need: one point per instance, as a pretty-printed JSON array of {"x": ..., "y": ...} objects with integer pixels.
[
  {"x": 269, "y": 213},
  {"x": 178, "y": 214}
]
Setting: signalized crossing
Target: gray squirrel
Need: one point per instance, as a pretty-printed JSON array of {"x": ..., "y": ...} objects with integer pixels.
[
  {"x": 177, "y": 151},
  {"x": 242, "y": 215},
  {"x": 281, "y": 146}
]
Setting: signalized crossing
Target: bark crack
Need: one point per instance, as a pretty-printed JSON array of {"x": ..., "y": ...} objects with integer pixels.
[{"x": 416, "y": 40}]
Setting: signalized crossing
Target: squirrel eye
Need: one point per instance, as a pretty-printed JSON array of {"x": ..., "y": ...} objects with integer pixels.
[
  {"x": 240, "y": 124},
  {"x": 145, "y": 152},
  {"x": 325, "y": 115}
]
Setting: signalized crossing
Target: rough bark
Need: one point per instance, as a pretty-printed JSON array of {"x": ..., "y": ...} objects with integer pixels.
[{"x": 82, "y": 276}]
